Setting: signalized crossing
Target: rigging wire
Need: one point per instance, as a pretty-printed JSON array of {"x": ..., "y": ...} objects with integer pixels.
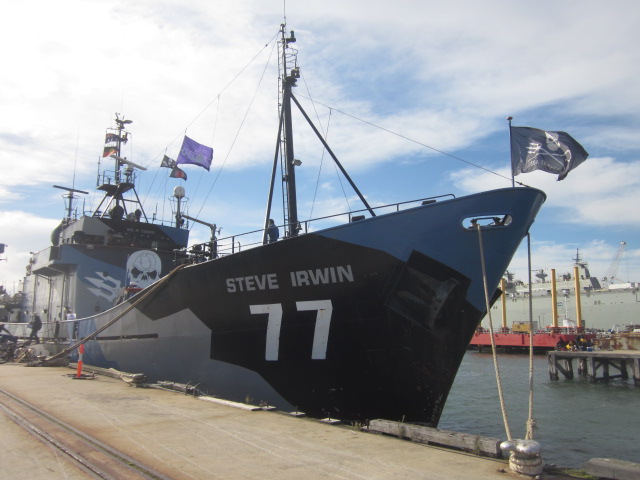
[
  {"x": 315, "y": 192},
  {"x": 75, "y": 161},
  {"x": 227, "y": 85},
  {"x": 215, "y": 122},
  {"x": 339, "y": 177},
  {"x": 202, "y": 171},
  {"x": 164, "y": 197},
  {"x": 325, "y": 135},
  {"x": 153, "y": 181},
  {"x": 216, "y": 98},
  {"x": 344, "y": 192},
  {"x": 235, "y": 138},
  {"x": 414, "y": 141}
]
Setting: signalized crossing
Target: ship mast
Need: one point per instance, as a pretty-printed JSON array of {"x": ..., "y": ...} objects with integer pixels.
[
  {"x": 284, "y": 146},
  {"x": 123, "y": 175},
  {"x": 289, "y": 74},
  {"x": 289, "y": 79}
]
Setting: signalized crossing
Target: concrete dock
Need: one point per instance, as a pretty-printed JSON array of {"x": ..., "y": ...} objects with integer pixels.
[{"x": 182, "y": 437}]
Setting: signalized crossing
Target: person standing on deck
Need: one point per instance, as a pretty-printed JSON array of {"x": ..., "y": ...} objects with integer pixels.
[
  {"x": 36, "y": 325},
  {"x": 273, "y": 231}
]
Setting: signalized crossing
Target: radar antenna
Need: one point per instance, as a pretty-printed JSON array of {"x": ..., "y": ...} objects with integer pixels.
[{"x": 69, "y": 198}]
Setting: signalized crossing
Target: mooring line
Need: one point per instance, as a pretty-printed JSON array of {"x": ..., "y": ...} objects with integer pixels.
[
  {"x": 91, "y": 336},
  {"x": 531, "y": 422},
  {"x": 503, "y": 407}
]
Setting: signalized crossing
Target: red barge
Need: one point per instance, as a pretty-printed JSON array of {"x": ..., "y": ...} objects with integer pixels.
[{"x": 549, "y": 338}]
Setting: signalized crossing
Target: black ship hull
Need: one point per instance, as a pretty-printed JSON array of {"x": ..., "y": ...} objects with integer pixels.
[{"x": 366, "y": 320}]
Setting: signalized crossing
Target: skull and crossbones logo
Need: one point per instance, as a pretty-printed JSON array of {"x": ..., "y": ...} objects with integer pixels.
[{"x": 143, "y": 268}]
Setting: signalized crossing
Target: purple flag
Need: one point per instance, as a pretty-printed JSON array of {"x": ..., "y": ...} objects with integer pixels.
[{"x": 194, "y": 153}]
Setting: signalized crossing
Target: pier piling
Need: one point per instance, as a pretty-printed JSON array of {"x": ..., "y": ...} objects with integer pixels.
[{"x": 597, "y": 365}]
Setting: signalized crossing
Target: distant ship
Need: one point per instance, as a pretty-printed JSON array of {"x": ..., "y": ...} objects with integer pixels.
[
  {"x": 368, "y": 318},
  {"x": 605, "y": 305}
]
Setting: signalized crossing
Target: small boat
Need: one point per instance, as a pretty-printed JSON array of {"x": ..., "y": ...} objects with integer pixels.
[{"x": 367, "y": 318}]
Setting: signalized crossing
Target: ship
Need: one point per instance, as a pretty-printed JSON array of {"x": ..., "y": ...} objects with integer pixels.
[
  {"x": 367, "y": 317},
  {"x": 10, "y": 306},
  {"x": 607, "y": 304}
]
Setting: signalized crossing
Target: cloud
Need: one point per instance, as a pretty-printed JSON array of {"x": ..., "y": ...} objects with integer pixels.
[
  {"x": 592, "y": 210},
  {"x": 588, "y": 195},
  {"x": 422, "y": 75},
  {"x": 453, "y": 76},
  {"x": 23, "y": 232}
]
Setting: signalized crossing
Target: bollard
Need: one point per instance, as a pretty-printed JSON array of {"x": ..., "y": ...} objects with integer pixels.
[
  {"x": 524, "y": 456},
  {"x": 81, "y": 350}
]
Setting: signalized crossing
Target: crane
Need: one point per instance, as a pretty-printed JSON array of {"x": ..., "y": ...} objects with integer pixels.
[{"x": 613, "y": 268}]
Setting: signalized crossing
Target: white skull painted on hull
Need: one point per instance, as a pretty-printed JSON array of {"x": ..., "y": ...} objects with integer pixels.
[{"x": 143, "y": 268}]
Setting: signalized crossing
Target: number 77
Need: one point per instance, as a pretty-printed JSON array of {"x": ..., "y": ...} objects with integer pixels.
[{"x": 274, "y": 323}]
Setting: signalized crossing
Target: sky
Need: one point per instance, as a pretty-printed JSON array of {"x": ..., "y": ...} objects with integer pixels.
[{"x": 412, "y": 95}]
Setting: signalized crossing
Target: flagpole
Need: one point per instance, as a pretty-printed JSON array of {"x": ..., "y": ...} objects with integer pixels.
[{"x": 513, "y": 182}]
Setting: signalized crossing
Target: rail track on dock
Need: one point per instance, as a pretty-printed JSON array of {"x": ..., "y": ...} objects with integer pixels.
[{"x": 87, "y": 452}]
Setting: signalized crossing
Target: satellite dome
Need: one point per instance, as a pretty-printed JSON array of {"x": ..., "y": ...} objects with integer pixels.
[{"x": 178, "y": 192}]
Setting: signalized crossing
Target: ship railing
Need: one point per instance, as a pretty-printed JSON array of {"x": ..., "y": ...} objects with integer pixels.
[
  {"x": 565, "y": 330},
  {"x": 127, "y": 174},
  {"x": 236, "y": 243},
  {"x": 539, "y": 331}
]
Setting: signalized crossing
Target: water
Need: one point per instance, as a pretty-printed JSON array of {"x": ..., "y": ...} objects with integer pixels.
[{"x": 577, "y": 420}]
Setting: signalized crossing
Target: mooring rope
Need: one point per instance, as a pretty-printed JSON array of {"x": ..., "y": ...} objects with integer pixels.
[
  {"x": 531, "y": 423},
  {"x": 91, "y": 336},
  {"x": 503, "y": 407}
]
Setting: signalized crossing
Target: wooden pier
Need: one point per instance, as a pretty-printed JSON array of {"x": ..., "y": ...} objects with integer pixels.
[{"x": 599, "y": 366}]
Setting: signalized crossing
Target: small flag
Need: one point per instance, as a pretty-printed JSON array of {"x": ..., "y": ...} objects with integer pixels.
[
  {"x": 111, "y": 138},
  {"x": 553, "y": 152},
  {"x": 194, "y": 153},
  {"x": 168, "y": 162},
  {"x": 177, "y": 173},
  {"x": 109, "y": 151}
]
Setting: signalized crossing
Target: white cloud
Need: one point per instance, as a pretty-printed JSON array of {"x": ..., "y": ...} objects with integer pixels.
[
  {"x": 442, "y": 74},
  {"x": 600, "y": 192},
  {"x": 23, "y": 232}
]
